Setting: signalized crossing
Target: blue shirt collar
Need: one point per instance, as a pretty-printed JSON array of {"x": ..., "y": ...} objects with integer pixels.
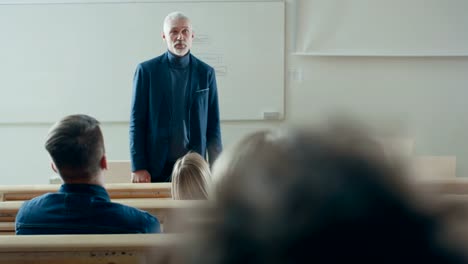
[
  {"x": 91, "y": 189},
  {"x": 177, "y": 61}
]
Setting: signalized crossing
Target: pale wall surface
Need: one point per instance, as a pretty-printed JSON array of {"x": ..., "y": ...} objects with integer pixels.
[{"x": 418, "y": 98}]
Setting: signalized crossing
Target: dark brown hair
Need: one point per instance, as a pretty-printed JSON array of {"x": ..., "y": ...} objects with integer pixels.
[{"x": 76, "y": 146}]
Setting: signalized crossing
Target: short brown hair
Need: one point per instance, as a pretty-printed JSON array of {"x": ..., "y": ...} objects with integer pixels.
[
  {"x": 190, "y": 178},
  {"x": 76, "y": 146}
]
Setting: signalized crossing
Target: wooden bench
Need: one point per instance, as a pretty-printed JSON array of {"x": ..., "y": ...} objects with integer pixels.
[
  {"x": 118, "y": 171},
  {"x": 115, "y": 190},
  {"x": 162, "y": 209},
  {"x": 433, "y": 167},
  {"x": 448, "y": 186},
  {"x": 7, "y": 227},
  {"x": 71, "y": 249}
]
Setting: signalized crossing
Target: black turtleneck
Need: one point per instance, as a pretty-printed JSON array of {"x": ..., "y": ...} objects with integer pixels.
[{"x": 179, "y": 68}]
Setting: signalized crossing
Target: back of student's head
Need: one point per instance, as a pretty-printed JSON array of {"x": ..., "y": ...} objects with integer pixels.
[
  {"x": 76, "y": 147},
  {"x": 317, "y": 196},
  {"x": 190, "y": 178}
]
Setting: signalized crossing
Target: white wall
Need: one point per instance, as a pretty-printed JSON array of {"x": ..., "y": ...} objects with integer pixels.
[{"x": 420, "y": 98}]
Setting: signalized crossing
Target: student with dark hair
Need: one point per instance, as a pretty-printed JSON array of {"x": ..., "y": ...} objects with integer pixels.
[
  {"x": 82, "y": 205},
  {"x": 319, "y": 196}
]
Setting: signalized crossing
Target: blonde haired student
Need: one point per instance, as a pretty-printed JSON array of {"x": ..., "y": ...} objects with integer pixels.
[{"x": 190, "y": 178}]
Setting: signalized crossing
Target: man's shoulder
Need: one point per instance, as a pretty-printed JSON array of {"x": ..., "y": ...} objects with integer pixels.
[
  {"x": 151, "y": 63},
  {"x": 41, "y": 199},
  {"x": 137, "y": 218},
  {"x": 37, "y": 204},
  {"x": 134, "y": 213},
  {"x": 201, "y": 64}
]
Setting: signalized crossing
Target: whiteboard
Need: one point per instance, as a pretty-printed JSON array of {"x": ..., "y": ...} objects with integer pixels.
[
  {"x": 382, "y": 27},
  {"x": 65, "y": 58}
]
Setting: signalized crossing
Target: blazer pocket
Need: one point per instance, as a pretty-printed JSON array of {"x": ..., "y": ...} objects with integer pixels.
[
  {"x": 202, "y": 90},
  {"x": 200, "y": 99}
]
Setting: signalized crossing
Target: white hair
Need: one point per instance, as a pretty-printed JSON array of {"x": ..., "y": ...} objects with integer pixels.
[{"x": 174, "y": 16}]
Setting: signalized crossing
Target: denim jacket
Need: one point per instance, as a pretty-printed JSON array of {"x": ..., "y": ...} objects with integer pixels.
[{"x": 81, "y": 209}]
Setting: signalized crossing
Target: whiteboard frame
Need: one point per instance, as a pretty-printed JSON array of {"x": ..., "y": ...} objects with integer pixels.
[{"x": 32, "y": 2}]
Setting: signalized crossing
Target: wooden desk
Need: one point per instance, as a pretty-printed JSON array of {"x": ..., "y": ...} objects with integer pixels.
[
  {"x": 7, "y": 228},
  {"x": 432, "y": 167},
  {"x": 115, "y": 190},
  {"x": 54, "y": 249},
  {"x": 161, "y": 209},
  {"x": 455, "y": 185}
]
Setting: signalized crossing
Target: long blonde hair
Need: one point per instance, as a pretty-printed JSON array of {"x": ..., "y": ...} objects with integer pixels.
[{"x": 190, "y": 178}]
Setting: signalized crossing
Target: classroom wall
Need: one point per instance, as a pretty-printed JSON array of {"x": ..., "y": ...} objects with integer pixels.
[{"x": 416, "y": 97}]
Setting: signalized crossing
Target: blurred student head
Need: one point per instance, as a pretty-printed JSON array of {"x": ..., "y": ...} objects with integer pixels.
[
  {"x": 76, "y": 146},
  {"x": 190, "y": 178},
  {"x": 318, "y": 196}
]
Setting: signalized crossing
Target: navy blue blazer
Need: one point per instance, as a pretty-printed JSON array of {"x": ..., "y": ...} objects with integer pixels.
[{"x": 150, "y": 119}]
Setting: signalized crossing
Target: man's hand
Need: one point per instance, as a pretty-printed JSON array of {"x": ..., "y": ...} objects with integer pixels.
[{"x": 141, "y": 176}]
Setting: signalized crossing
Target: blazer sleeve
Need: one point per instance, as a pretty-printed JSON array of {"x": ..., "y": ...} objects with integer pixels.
[
  {"x": 138, "y": 119},
  {"x": 213, "y": 133}
]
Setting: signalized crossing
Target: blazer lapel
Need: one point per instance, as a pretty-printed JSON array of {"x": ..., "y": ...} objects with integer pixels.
[
  {"x": 193, "y": 80},
  {"x": 166, "y": 82}
]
